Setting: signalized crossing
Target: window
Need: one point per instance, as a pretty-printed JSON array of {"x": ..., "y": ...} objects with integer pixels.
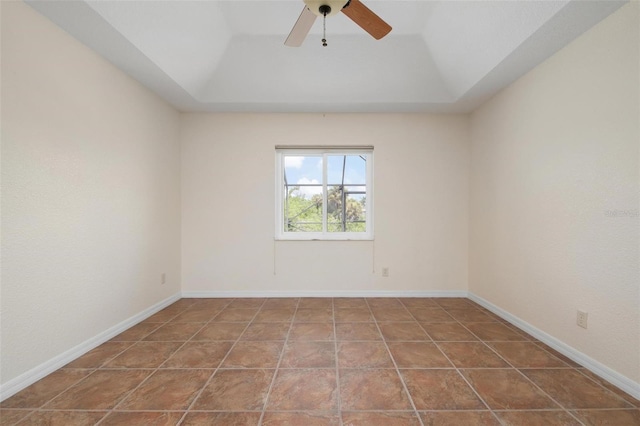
[{"x": 324, "y": 194}]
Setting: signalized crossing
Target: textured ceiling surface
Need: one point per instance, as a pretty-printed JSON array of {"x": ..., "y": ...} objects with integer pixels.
[{"x": 221, "y": 55}]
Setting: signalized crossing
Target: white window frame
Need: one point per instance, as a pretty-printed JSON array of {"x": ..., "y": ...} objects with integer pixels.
[{"x": 324, "y": 152}]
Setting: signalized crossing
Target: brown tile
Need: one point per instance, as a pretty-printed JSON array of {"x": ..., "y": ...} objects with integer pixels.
[
  {"x": 470, "y": 315},
  {"x": 311, "y": 331},
  {"x": 403, "y": 331},
  {"x": 199, "y": 355},
  {"x": 454, "y": 302},
  {"x": 537, "y": 418},
  {"x": 266, "y": 331},
  {"x": 221, "y": 331},
  {"x": 304, "y": 390},
  {"x": 281, "y": 303},
  {"x": 363, "y": 355},
  {"x": 350, "y": 302},
  {"x": 221, "y": 419},
  {"x": 440, "y": 390},
  {"x": 558, "y": 355},
  {"x": 384, "y": 302},
  {"x": 164, "y": 315},
  {"x": 459, "y": 418},
  {"x": 235, "y": 390},
  {"x": 602, "y": 382},
  {"x": 431, "y": 315},
  {"x": 63, "y": 418},
  {"x": 357, "y": 331},
  {"x": 215, "y": 304},
  {"x": 10, "y": 417},
  {"x": 609, "y": 417},
  {"x": 196, "y": 315},
  {"x": 472, "y": 355},
  {"x": 296, "y": 419},
  {"x": 391, "y": 314},
  {"x": 418, "y": 355},
  {"x": 137, "y": 332},
  {"x": 45, "y": 389},
  {"x": 393, "y": 418},
  {"x": 101, "y": 390},
  {"x": 303, "y": 354},
  {"x": 353, "y": 315},
  {"x": 174, "y": 332},
  {"x": 418, "y": 302},
  {"x": 118, "y": 418},
  {"x": 144, "y": 355},
  {"x": 574, "y": 390},
  {"x": 100, "y": 355},
  {"x": 494, "y": 331},
  {"x": 526, "y": 354},
  {"x": 448, "y": 332},
  {"x": 236, "y": 315},
  {"x": 167, "y": 390},
  {"x": 315, "y": 303},
  {"x": 507, "y": 389},
  {"x": 183, "y": 303},
  {"x": 365, "y": 389},
  {"x": 251, "y": 354},
  {"x": 313, "y": 315},
  {"x": 245, "y": 303},
  {"x": 275, "y": 315}
]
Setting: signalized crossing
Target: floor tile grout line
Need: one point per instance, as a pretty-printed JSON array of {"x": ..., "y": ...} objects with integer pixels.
[
  {"x": 604, "y": 387},
  {"x": 335, "y": 349},
  {"x": 457, "y": 370},
  {"x": 99, "y": 368},
  {"x": 508, "y": 363},
  {"x": 397, "y": 370},
  {"x": 462, "y": 323},
  {"x": 523, "y": 375},
  {"x": 215, "y": 371},
  {"x": 128, "y": 394},
  {"x": 277, "y": 367}
]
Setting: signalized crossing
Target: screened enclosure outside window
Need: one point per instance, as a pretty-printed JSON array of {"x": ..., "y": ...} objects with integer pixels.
[{"x": 324, "y": 194}]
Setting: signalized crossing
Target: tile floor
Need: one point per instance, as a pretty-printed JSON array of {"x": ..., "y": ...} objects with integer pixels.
[{"x": 322, "y": 361}]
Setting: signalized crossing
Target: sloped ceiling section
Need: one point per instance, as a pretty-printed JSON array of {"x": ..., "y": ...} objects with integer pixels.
[{"x": 442, "y": 56}]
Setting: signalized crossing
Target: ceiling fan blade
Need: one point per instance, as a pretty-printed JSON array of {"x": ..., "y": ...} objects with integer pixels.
[
  {"x": 369, "y": 21},
  {"x": 301, "y": 28}
]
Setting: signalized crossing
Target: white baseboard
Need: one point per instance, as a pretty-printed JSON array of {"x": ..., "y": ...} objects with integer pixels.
[
  {"x": 626, "y": 384},
  {"x": 303, "y": 293},
  {"x": 15, "y": 385}
]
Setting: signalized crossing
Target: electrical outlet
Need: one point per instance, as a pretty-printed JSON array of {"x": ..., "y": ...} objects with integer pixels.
[
  {"x": 385, "y": 271},
  {"x": 581, "y": 319},
  {"x": 163, "y": 278}
]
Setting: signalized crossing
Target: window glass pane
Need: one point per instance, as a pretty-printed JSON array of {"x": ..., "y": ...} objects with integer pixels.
[
  {"x": 334, "y": 169},
  {"x": 303, "y": 170},
  {"x": 334, "y": 209},
  {"x": 302, "y": 193},
  {"x": 347, "y": 179},
  {"x": 344, "y": 202},
  {"x": 302, "y": 214}
]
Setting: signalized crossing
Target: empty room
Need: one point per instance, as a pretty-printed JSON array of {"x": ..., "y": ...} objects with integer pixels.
[{"x": 320, "y": 212}]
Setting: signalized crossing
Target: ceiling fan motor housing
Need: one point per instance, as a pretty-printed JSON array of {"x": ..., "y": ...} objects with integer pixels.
[{"x": 316, "y": 6}]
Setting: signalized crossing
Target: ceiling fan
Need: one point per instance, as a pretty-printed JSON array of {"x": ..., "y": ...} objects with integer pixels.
[{"x": 354, "y": 9}]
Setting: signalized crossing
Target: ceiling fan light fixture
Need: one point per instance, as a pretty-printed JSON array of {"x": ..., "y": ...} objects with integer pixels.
[{"x": 335, "y": 6}]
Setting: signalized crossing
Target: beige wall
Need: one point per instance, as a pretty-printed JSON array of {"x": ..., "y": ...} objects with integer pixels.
[
  {"x": 90, "y": 194},
  {"x": 552, "y": 156},
  {"x": 228, "y": 206}
]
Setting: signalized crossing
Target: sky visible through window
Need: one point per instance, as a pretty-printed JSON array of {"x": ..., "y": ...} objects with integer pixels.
[{"x": 308, "y": 170}]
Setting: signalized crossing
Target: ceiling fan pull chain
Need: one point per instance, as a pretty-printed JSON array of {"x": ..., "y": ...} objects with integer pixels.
[
  {"x": 324, "y": 9},
  {"x": 324, "y": 31}
]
